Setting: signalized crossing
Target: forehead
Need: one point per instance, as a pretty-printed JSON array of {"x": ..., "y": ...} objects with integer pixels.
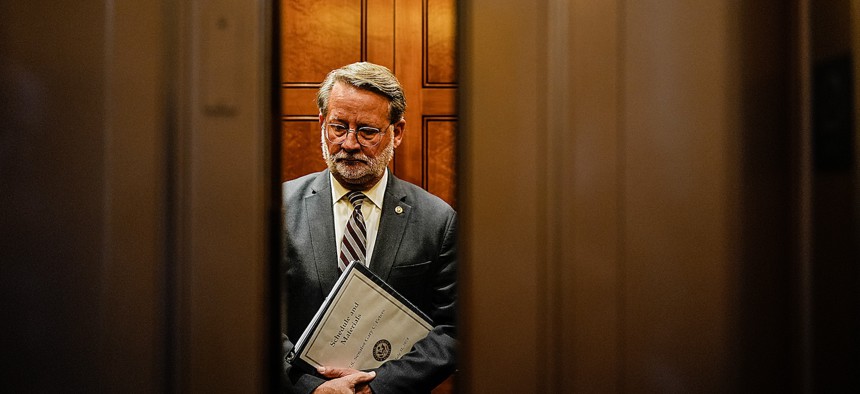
[{"x": 348, "y": 102}]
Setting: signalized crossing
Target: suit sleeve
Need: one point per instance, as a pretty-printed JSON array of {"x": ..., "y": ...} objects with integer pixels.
[
  {"x": 433, "y": 358},
  {"x": 296, "y": 380},
  {"x": 293, "y": 379}
]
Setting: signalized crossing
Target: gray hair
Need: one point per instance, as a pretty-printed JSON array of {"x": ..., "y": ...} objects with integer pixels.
[{"x": 366, "y": 76}]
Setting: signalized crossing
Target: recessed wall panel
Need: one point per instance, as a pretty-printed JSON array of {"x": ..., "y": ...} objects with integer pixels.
[
  {"x": 319, "y": 36},
  {"x": 441, "y": 157},
  {"x": 440, "y": 21},
  {"x": 301, "y": 149}
]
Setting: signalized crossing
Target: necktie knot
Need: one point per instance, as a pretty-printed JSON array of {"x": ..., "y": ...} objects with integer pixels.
[{"x": 356, "y": 198}]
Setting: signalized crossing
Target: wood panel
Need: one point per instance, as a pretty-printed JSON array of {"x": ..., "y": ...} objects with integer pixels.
[
  {"x": 299, "y": 101},
  {"x": 301, "y": 147},
  {"x": 441, "y": 161},
  {"x": 318, "y": 36},
  {"x": 408, "y": 66},
  {"x": 440, "y": 60},
  {"x": 379, "y": 38},
  {"x": 439, "y": 101},
  {"x": 425, "y": 66}
]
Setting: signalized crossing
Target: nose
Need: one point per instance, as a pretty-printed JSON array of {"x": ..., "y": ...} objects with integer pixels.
[{"x": 351, "y": 142}]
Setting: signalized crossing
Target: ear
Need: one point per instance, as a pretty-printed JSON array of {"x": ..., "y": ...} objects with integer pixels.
[
  {"x": 399, "y": 129},
  {"x": 322, "y": 119}
]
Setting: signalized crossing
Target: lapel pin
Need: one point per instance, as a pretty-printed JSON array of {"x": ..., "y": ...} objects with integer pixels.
[{"x": 398, "y": 210}]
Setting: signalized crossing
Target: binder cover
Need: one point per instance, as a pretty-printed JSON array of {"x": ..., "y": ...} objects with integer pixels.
[{"x": 361, "y": 324}]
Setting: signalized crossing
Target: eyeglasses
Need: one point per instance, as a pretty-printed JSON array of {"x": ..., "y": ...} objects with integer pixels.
[{"x": 367, "y": 136}]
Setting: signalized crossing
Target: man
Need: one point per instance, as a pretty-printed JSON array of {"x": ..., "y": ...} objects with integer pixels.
[{"x": 408, "y": 235}]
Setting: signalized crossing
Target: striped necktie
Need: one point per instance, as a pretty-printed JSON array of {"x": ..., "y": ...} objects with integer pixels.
[{"x": 354, "y": 243}]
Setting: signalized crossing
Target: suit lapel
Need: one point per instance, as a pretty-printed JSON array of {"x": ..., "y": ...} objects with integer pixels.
[
  {"x": 321, "y": 224},
  {"x": 392, "y": 225}
]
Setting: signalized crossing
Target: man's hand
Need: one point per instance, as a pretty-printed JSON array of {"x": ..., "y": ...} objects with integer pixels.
[{"x": 345, "y": 380}]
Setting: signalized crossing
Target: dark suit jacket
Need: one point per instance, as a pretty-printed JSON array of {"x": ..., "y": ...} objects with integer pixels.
[{"x": 415, "y": 252}]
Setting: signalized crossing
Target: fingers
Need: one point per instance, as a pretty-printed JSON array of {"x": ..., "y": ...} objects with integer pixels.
[
  {"x": 363, "y": 389},
  {"x": 353, "y": 383},
  {"x": 361, "y": 378},
  {"x": 345, "y": 380},
  {"x": 335, "y": 372}
]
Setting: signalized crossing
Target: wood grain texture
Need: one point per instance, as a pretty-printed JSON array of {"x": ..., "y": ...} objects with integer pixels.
[
  {"x": 299, "y": 101},
  {"x": 317, "y": 37},
  {"x": 439, "y": 101},
  {"x": 441, "y": 158},
  {"x": 379, "y": 42},
  {"x": 408, "y": 63},
  {"x": 441, "y": 27},
  {"x": 301, "y": 152}
]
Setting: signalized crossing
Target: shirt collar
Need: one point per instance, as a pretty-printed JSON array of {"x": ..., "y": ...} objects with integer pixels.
[{"x": 375, "y": 194}]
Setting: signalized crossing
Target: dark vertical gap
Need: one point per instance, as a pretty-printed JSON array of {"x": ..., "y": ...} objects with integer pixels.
[
  {"x": 455, "y": 193},
  {"x": 764, "y": 321},
  {"x": 835, "y": 257},
  {"x": 275, "y": 357},
  {"x": 461, "y": 144}
]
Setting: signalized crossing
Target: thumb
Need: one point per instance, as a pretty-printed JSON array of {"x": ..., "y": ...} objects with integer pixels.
[{"x": 361, "y": 377}]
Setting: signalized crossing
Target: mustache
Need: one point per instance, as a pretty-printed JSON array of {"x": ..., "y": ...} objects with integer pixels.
[{"x": 350, "y": 156}]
